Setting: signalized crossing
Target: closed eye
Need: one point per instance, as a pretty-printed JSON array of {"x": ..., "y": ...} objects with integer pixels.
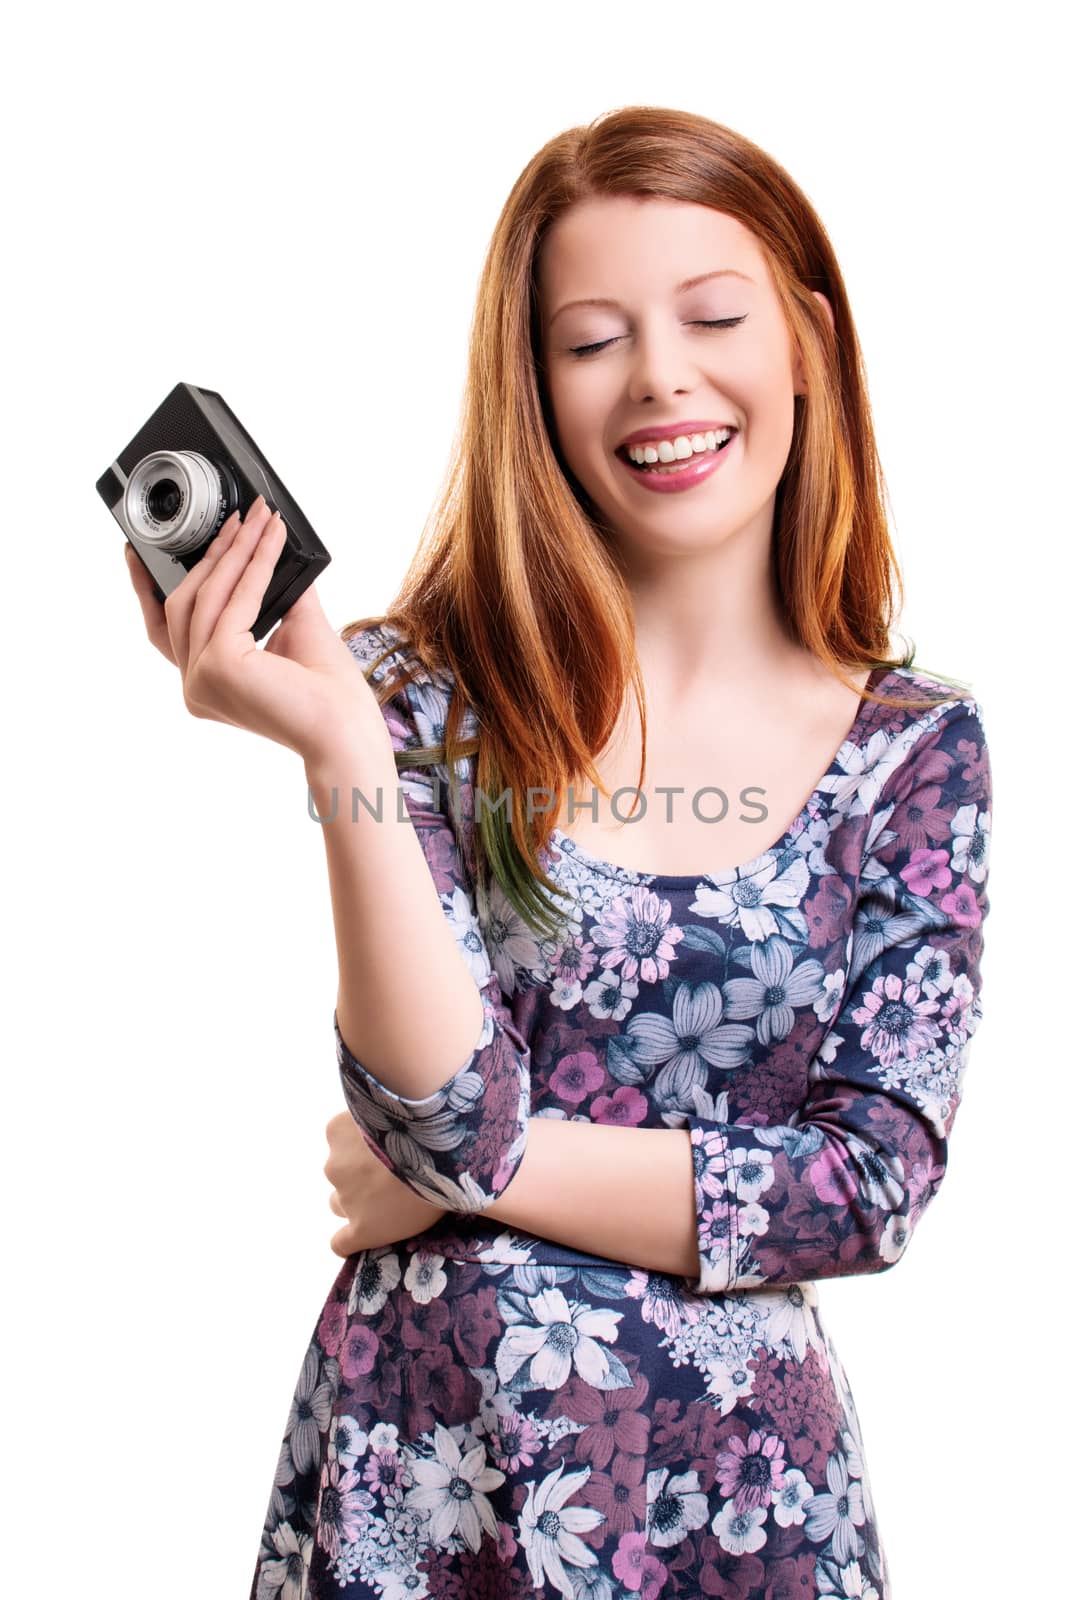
[{"x": 591, "y": 349}]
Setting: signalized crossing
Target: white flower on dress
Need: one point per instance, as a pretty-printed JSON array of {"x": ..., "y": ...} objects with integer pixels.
[
  {"x": 285, "y": 1576},
  {"x": 565, "y": 1335},
  {"x": 837, "y": 1512},
  {"x": 746, "y": 896},
  {"x": 548, "y": 1529},
  {"x": 453, "y": 1488},
  {"x": 673, "y": 1507}
]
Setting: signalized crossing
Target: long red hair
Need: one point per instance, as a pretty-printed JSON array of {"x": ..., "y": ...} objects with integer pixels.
[{"x": 514, "y": 590}]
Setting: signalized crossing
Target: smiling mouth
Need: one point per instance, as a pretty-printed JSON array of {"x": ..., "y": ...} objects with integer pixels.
[{"x": 665, "y": 468}]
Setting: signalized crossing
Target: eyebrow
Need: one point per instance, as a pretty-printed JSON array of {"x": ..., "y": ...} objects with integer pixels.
[{"x": 687, "y": 283}]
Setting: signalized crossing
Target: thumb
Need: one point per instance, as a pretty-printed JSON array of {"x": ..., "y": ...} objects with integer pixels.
[{"x": 304, "y": 634}]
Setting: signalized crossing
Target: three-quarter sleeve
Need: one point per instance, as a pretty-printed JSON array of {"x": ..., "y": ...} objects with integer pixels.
[
  {"x": 840, "y": 1189},
  {"x": 459, "y": 1147}
]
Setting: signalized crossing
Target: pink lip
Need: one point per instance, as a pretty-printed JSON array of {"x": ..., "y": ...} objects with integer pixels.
[
  {"x": 699, "y": 468},
  {"x": 670, "y": 430}
]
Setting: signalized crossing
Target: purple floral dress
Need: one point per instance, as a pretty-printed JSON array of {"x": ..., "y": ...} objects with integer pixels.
[{"x": 483, "y": 1414}]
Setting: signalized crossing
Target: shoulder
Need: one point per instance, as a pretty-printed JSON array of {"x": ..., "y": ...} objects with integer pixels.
[
  {"x": 416, "y": 714},
  {"x": 933, "y": 708},
  {"x": 924, "y": 746}
]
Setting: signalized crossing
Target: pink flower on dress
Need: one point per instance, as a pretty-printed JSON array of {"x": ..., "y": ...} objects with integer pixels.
[
  {"x": 927, "y": 869},
  {"x": 638, "y": 936},
  {"x": 576, "y": 1076},
  {"x": 752, "y": 1471},
  {"x": 896, "y": 1020}
]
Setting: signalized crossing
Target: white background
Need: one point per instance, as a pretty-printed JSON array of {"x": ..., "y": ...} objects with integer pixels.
[{"x": 290, "y": 205}]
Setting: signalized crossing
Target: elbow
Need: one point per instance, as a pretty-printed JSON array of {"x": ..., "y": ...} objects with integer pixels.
[{"x": 460, "y": 1147}]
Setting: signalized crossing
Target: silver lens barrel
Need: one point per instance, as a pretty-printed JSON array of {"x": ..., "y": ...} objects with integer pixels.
[{"x": 173, "y": 499}]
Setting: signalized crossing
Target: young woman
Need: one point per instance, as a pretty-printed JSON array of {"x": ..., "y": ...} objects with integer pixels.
[{"x": 635, "y": 1059}]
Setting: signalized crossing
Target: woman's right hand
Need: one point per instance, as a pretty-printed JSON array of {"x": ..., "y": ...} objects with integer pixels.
[{"x": 303, "y": 689}]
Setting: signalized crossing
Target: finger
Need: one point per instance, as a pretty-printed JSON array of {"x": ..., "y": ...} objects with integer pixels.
[
  {"x": 245, "y": 603},
  {"x": 343, "y": 1242},
  {"x": 183, "y": 598},
  {"x": 201, "y": 607},
  {"x": 155, "y": 619}
]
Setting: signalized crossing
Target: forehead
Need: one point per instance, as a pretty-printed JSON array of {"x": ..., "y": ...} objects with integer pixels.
[{"x": 629, "y": 246}]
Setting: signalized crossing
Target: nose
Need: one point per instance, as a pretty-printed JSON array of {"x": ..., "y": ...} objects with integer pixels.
[{"x": 662, "y": 364}]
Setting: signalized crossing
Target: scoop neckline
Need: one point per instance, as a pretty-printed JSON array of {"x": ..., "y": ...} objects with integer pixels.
[{"x": 565, "y": 845}]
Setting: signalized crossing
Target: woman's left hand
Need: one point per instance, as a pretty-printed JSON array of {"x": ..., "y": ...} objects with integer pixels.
[{"x": 380, "y": 1209}]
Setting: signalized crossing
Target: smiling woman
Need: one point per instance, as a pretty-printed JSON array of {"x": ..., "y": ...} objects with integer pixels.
[{"x": 645, "y": 1088}]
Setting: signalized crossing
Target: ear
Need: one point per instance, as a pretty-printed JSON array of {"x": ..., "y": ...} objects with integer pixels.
[{"x": 799, "y": 382}]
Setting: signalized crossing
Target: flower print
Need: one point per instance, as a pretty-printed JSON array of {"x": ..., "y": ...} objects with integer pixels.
[
  {"x": 746, "y": 897},
  {"x": 610, "y": 995},
  {"x": 925, "y": 871},
  {"x": 672, "y": 1054},
  {"x": 775, "y": 987},
  {"x": 608, "y": 1423},
  {"x": 850, "y": 1584},
  {"x": 661, "y": 1303},
  {"x": 515, "y": 1441},
  {"x": 931, "y": 970},
  {"x": 896, "y": 1232},
  {"x": 750, "y": 1173},
  {"x": 510, "y": 943},
  {"x": 739, "y": 1531},
  {"x": 896, "y": 1019},
  {"x": 789, "y": 1321},
  {"x": 675, "y": 1505},
  {"x": 343, "y": 1507},
  {"x": 618, "y": 1492},
  {"x": 826, "y": 912},
  {"x": 332, "y": 1326},
  {"x": 468, "y": 934},
  {"x": 359, "y": 1352},
  {"x": 962, "y": 906},
  {"x": 565, "y": 1335},
  {"x": 348, "y": 1442},
  {"x": 828, "y": 999},
  {"x": 637, "y": 1569},
  {"x": 549, "y": 1529},
  {"x": 970, "y": 843},
  {"x": 752, "y": 1469},
  {"x": 626, "y": 1107},
  {"x": 637, "y": 935},
  {"x": 386, "y": 1473},
  {"x": 790, "y": 1502},
  {"x": 284, "y": 1473},
  {"x": 309, "y": 1414},
  {"x": 415, "y": 1130},
  {"x": 576, "y": 1076},
  {"x": 425, "y": 1278},
  {"x": 285, "y": 1575},
  {"x": 864, "y": 770},
  {"x": 452, "y": 1488},
  {"x": 878, "y": 927},
  {"x": 838, "y": 1512},
  {"x": 376, "y": 1276}
]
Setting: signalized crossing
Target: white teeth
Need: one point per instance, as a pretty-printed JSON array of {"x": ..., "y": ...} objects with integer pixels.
[{"x": 679, "y": 449}]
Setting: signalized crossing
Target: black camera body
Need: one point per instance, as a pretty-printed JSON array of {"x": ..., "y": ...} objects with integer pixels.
[{"x": 173, "y": 486}]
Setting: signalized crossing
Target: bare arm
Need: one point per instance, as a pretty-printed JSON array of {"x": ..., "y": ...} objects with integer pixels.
[
  {"x": 388, "y": 925},
  {"x": 623, "y": 1193}
]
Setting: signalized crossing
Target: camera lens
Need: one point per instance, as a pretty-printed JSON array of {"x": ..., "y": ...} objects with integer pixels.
[
  {"x": 175, "y": 500},
  {"x": 164, "y": 498}
]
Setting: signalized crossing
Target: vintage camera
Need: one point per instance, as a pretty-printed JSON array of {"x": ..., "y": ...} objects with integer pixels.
[{"x": 178, "y": 479}]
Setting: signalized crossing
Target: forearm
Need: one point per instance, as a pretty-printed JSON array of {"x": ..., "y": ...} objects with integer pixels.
[
  {"x": 408, "y": 1007},
  {"x": 623, "y": 1193}
]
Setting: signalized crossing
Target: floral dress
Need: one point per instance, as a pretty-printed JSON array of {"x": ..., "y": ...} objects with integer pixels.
[{"x": 483, "y": 1414}]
